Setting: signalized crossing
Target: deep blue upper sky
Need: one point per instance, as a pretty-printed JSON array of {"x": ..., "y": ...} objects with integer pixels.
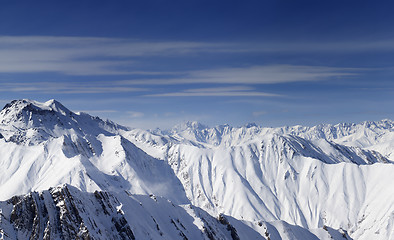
[{"x": 157, "y": 63}]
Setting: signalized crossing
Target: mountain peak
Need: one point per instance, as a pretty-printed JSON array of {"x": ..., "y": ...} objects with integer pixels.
[
  {"x": 30, "y": 113},
  {"x": 54, "y": 104},
  {"x": 31, "y": 105},
  {"x": 250, "y": 125},
  {"x": 30, "y": 122},
  {"x": 193, "y": 125}
]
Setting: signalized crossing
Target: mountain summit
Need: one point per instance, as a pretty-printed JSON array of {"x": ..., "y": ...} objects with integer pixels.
[{"x": 30, "y": 122}]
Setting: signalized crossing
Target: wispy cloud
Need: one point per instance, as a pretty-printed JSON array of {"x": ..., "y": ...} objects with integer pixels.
[
  {"x": 52, "y": 48},
  {"x": 134, "y": 114},
  {"x": 253, "y": 75},
  {"x": 87, "y": 56},
  {"x": 118, "y": 56},
  {"x": 238, "y": 91},
  {"x": 270, "y": 74},
  {"x": 68, "y": 87},
  {"x": 84, "y": 56}
]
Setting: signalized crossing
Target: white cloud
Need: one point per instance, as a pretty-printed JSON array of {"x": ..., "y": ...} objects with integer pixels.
[
  {"x": 74, "y": 55},
  {"x": 237, "y": 91},
  {"x": 214, "y": 94},
  {"x": 133, "y": 114},
  {"x": 239, "y": 77},
  {"x": 270, "y": 74},
  {"x": 117, "y": 56},
  {"x": 68, "y": 87}
]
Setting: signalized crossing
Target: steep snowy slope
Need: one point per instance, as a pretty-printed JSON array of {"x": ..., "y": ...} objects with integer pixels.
[
  {"x": 256, "y": 173},
  {"x": 45, "y": 144},
  {"x": 67, "y": 213}
]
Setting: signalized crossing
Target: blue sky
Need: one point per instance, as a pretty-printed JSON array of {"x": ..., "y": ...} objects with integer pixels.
[{"x": 150, "y": 64}]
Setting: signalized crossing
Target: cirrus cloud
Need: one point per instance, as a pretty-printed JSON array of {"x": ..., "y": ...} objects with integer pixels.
[{"x": 119, "y": 56}]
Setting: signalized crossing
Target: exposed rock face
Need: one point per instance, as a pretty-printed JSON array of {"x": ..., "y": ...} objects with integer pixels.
[
  {"x": 58, "y": 214},
  {"x": 67, "y": 213}
]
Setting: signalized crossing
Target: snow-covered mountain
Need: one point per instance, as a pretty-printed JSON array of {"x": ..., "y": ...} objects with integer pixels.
[
  {"x": 250, "y": 182},
  {"x": 307, "y": 176},
  {"x": 45, "y": 144},
  {"x": 65, "y": 212}
]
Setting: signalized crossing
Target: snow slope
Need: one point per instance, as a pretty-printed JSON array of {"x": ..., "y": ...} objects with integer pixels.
[
  {"x": 67, "y": 213},
  {"x": 285, "y": 183},
  {"x": 299, "y": 175},
  {"x": 45, "y": 144}
]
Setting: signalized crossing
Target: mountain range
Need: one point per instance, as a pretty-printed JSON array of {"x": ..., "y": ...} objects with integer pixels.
[{"x": 67, "y": 175}]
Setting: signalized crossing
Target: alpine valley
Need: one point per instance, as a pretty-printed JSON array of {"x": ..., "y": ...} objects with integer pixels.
[{"x": 66, "y": 175}]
